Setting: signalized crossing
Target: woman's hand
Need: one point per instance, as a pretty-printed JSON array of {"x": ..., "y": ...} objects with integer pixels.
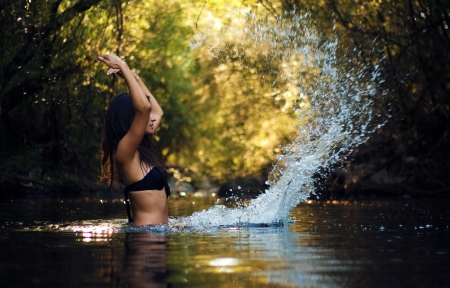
[
  {"x": 114, "y": 71},
  {"x": 112, "y": 61}
]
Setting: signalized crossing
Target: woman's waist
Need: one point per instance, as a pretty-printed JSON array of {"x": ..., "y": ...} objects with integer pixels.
[{"x": 154, "y": 216}]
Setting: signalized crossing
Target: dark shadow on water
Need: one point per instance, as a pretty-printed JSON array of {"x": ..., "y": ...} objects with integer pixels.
[{"x": 145, "y": 260}]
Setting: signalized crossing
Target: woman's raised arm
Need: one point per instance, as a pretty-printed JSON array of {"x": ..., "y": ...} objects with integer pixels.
[
  {"x": 130, "y": 142},
  {"x": 156, "y": 108}
]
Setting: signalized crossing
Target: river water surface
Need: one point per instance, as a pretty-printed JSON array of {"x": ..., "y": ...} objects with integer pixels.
[{"x": 83, "y": 243}]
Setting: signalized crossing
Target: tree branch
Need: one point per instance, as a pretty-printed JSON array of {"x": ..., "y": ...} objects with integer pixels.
[{"x": 11, "y": 99}]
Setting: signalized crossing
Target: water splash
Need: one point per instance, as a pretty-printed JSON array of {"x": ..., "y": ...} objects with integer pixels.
[
  {"x": 333, "y": 93},
  {"x": 335, "y": 98}
]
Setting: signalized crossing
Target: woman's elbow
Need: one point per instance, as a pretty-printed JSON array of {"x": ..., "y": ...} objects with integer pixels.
[{"x": 145, "y": 107}]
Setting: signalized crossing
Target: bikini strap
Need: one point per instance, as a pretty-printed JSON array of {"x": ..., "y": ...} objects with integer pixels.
[{"x": 127, "y": 204}]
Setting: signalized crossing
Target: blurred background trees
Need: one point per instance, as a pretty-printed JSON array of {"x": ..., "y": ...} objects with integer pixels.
[
  {"x": 411, "y": 152},
  {"x": 221, "y": 119}
]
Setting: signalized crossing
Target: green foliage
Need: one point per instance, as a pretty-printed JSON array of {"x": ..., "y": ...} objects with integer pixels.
[
  {"x": 224, "y": 114},
  {"x": 54, "y": 95}
]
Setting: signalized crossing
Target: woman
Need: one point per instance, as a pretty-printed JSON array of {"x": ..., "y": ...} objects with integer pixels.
[{"x": 128, "y": 152}]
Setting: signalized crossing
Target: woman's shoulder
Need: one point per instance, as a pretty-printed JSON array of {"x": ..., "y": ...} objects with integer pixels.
[
  {"x": 124, "y": 158},
  {"x": 129, "y": 169}
]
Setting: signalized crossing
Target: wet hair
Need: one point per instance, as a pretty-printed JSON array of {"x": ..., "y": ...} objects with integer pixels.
[{"x": 118, "y": 120}]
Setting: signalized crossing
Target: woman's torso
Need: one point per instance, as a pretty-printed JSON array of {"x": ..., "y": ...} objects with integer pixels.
[
  {"x": 149, "y": 207},
  {"x": 148, "y": 199}
]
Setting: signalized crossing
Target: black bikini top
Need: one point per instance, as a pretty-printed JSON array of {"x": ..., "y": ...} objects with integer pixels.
[{"x": 156, "y": 179}]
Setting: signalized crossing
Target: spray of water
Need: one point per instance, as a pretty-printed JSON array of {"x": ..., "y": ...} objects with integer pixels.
[{"x": 336, "y": 98}]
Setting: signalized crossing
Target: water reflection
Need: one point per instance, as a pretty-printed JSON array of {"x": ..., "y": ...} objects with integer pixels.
[
  {"x": 257, "y": 256},
  {"x": 145, "y": 260},
  {"x": 90, "y": 231},
  {"x": 331, "y": 244}
]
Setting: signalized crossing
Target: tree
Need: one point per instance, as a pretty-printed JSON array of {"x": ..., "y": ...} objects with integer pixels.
[{"x": 411, "y": 42}]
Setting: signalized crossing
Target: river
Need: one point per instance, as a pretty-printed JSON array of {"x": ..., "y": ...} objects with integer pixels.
[{"x": 70, "y": 242}]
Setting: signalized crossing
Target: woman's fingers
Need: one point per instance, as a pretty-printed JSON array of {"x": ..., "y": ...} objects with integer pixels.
[
  {"x": 114, "y": 71},
  {"x": 105, "y": 60},
  {"x": 111, "y": 60}
]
